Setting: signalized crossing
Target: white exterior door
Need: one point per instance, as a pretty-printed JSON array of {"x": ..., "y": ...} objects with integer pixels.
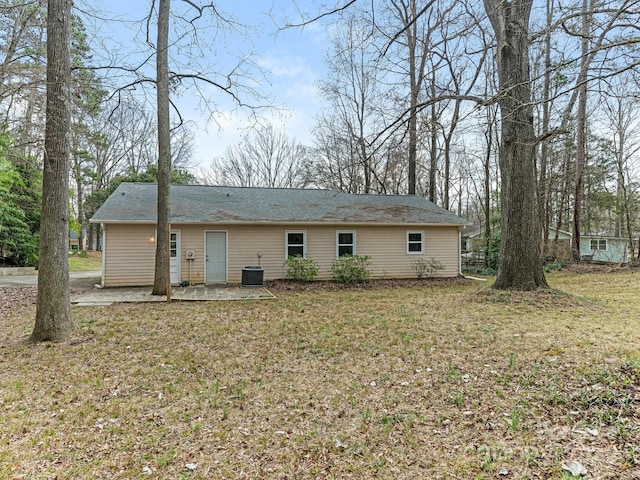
[
  {"x": 174, "y": 255},
  {"x": 216, "y": 257}
]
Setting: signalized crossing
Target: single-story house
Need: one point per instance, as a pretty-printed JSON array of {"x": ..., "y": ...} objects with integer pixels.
[
  {"x": 593, "y": 247},
  {"x": 604, "y": 248},
  {"x": 217, "y": 231}
]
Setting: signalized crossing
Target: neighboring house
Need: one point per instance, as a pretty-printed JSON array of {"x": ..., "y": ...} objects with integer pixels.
[
  {"x": 602, "y": 248},
  {"x": 561, "y": 234},
  {"x": 557, "y": 246},
  {"x": 471, "y": 235},
  {"x": 216, "y": 231},
  {"x": 597, "y": 248}
]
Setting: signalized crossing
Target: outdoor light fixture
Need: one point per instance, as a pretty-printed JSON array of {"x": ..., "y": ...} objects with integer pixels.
[{"x": 152, "y": 239}]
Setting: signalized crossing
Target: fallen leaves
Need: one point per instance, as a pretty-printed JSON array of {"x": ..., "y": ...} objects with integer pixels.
[
  {"x": 13, "y": 299},
  {"x": 399, "y": 381}
]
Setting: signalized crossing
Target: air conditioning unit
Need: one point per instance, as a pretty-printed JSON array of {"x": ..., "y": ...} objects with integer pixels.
[{"x": 190, "y": 254}]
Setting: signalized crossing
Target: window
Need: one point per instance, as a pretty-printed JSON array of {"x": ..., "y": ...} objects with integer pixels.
[
  {"x": 598, "y": 244},
  {"x": 346, "y": 243},
  {"x": 296, "y": 244},
  {"x": 415, "y": 242},
  {"x": 173, "y": 245}
]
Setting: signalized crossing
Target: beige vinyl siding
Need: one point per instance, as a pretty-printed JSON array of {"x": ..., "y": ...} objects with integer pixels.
[
  {"x": 130, "y": 257},
  {"x": 192, "y": 238},
  {"x": 387, "y": 247}
]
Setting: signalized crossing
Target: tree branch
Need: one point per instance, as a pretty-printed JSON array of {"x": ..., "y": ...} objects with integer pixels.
[{"x": 318, "y": 17}]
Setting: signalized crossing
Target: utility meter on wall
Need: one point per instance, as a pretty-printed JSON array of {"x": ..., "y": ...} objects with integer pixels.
[{"x": 190, "y": 254}]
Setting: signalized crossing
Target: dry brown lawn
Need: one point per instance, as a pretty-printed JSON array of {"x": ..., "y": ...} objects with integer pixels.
[{"x": 434, "y": 380}]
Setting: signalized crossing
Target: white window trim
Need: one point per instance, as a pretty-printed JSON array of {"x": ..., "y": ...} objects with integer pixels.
[
  {"x": 421, "y": 233},
  {"x": 598, "y": 240},
  {"x": 338, "y": 232},
  {"x": 177, "y": 249},
  {"x": 286, "y": 242}
]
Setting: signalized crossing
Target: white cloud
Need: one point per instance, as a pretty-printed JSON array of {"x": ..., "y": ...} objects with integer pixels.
[{"x": 285, "y": 66}]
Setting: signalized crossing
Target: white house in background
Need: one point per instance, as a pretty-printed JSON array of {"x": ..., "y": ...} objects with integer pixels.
[
  {"x": 603, "y": 248},
  {"x": 597, "y": 248}
]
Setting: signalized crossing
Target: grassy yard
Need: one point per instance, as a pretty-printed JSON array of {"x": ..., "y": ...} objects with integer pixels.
[
  {"x": 440, "y": 381},
  {"x": 85, "y": 262}
]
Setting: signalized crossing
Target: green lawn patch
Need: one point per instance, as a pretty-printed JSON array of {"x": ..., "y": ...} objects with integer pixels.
[{"x": 85, "y": 262}]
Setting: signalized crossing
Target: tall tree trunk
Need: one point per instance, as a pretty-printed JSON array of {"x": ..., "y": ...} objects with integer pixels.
[
  {"x": 621, "y": 191},
  {"x": 581, "y": 135},
  {"x": 563, "y": 207},
  {"x": 53, "y": 310},
  {"x": 447, "y": 153},
  {"x": 26, "y": 132},
  {"x": 413, "y": 141},
  {"x": 164, "y": 150},
  {"x": 520, "y": 265},
  {"x": 90, "y": 229},
  {"x": 80, "y": 207},
  {"x": 543, "y": 211},
  {"x": 487, "y": 187},
  {"x": 76, "y": 168},
  {"x": 433, "y": 154},
  {"x": 407, "y": 12}
]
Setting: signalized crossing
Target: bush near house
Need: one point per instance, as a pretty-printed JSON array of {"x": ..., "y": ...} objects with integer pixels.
[
  {"x": 301, "y": 269},
  {"x": 426, "y": 268},
  {"x": 351, "y": 269}
]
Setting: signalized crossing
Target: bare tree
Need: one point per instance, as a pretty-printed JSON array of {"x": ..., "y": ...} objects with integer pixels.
[
  {"x": 520, "y": 265},
  {"x": 334, "y": 165},
  {"x": 352, "y": 88},
  {"x": 622, "y": 109},
  {"x": 462, "y": 74},
  {"x": 543, "y": 187},
  {"x": 161, "y": 276},
  {"x": 416, "y": 33},
  {"x": 581, "y": 133},
  {"x": 53, "y": 310},
  {"x": 265, "y": 158},
  {"x": 22, "y": 73},
  {"x": 128, "y": 140}
]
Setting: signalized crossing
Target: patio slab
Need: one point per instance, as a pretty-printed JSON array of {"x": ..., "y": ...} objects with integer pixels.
[{"x": 108, "y": 296}]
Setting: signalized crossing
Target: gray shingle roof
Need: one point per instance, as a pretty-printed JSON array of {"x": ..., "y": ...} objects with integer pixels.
[{"x": 136, "y": 203}]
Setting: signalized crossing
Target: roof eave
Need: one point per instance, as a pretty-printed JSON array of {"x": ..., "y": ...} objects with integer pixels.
[
  {"x": 296, "y": 223},
  {"x": 139, "y": 222}
]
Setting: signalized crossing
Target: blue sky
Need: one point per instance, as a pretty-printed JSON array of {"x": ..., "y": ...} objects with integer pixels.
[{"x": 291, "y": 61}]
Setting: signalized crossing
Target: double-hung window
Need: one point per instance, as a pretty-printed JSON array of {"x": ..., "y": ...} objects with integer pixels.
[
  {"x": 415, "y": 242},
  {"x": 345, "y": 243},
  {"x": 296, "y": 244}
]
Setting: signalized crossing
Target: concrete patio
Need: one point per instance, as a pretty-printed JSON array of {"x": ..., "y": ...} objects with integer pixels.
[
  {"x": 108, "y": 296},
  {"x": 84, "y": 291}
]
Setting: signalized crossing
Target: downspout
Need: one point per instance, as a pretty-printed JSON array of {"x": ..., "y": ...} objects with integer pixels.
[
  {"x": 459, "y": 251},
  {"x": 104, "y": 254}
]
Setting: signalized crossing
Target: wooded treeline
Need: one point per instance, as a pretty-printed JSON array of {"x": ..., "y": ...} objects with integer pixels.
[
  {"x": 113, "y": 133},
  {"x": 411, "y": 100}
]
